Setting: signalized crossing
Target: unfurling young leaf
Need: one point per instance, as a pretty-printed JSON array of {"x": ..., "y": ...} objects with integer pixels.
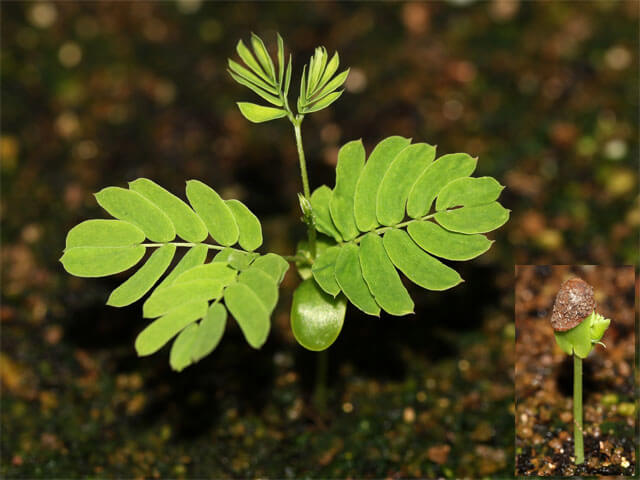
[
  {"x": 258, "y": 114},
  {"x": 318, "y": 86},
  {"x": 262, "y": 78}
]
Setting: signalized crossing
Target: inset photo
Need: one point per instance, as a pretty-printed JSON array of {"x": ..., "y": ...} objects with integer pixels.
[{"x": 575, "y": 369}]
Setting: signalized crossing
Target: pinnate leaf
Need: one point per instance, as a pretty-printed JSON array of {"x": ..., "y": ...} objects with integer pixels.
[
  {"x": 159, "y": 332},
  {"x": 272, "y": 99},
  {"x": 468, "y": 192},
  {"x": 188, "y": 225},
  {"x": 434, "y": 178},
  {"x": 167, "y": 299},
  {"x": 370, "y": 179},
  {"x": 419, "y": 267},
  {"x": 235, "y": 258},
  {"x": 250, "y": 313},
  {"x": 136, "y": 286},
  {"x": 131, "y": 206},
  {"x": 100, "y": 261},
  {"x": 349, "y": 276},
  {"x": 350, "y": 163},
  {"x": 247, "y": 57},
  {"x": 195, "y": 256},
  {"x": 397, "y": 182},
  {"x": 324, "y": 268},
  {"x": 104, "y": 233},
  {"x": 180, "y": 356},
  {"x": 214, "y": 212},
  {"x": 210, "y": 331},
  {"x": 442, "y": 243},
  {"x": 320, "y": 201},
  {"x": 250, "y": 231},
  {"x": 480, "y": 219},
  {"x": 381, "y": 277},
  {"x": 323, "y": 103},
  {"x": 262, "y": 285},
  {"x": 258, "y": 113},
  {"x": 220, "y": 272},
  {"x": 273, "y": 265}
]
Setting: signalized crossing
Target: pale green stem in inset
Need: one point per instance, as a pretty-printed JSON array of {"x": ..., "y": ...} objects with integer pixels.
[{"x": 578, "y": 440}]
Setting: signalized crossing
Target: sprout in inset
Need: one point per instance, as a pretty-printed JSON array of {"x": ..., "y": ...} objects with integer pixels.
[{"x": 577, "y": 328}]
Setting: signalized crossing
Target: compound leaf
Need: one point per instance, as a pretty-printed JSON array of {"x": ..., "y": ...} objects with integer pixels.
[
  {"x": 370, "y": 179},
  {"x": 159, "y": 332},
  {"x": 167, "y": 299},
  {"x": 419, "y": 267},
  {"x": 382, "y": 278},
  {"x": 272, "y": 99},
  {"x": 318, "y": 85},
  {"x": 258, "y": 113},
  {"x": 235, "y": 258},
  {"x": 350, "y": 164},
  {"x": 324, "y": 102},
  {"x": 195, "y": 256},
  {"x": 396, "y": 184},
  {"x": 249, "y": 312},
  {"x": 273, "y": 265},
  {"x": 262, "y": 285},
  {"x": 442, "y": 243},
  {"x": 104, "y": 233},
  {"x": 144, "y": 279},
  {"x": 280, "y": 59},
  {"x": 317, "y": 65},
  {"x": 250, "y": 231},
  {"x": 316, "y": 318},
  {"x": 237, "y": 70},
  {"x": 188, "y": 225},
  {"x": 210, "y": 331},
  {"x": 320, "y": 200},
  {"x": 220, "y": 272},
  {"x": 263, "y": 57},
  {"x": 180, "y": 356},
  {"x": 329, "y": 71},
  {"x": 214, "y": 212},
  {"x": 92, "y": 262},
  {"x": 468, "y": 192},
  {"x": 323, "y": 270},
  {"x": 434, "y": 178},
  {"x": 131, "y": 206},
  {"x": 247, "y": 57},
  {"x": 198, "y": 340},
  {"x": 287, "y": 79},
  {"x": 349, "y": 276},
  {"x": 480, "y": 219}
]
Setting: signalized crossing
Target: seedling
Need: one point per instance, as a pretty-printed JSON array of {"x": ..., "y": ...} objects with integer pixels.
[
  {"x": 398, "y": 209},
  {"x": 577, "y": 329}
]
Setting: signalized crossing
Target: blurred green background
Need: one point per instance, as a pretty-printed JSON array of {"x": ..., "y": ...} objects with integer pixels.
[{"x": 100, "y": 93}]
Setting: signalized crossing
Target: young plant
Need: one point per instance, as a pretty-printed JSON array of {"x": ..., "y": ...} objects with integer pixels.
[
  {"x": 398, "y": 209},
  {"x": 577, "y": 328}
]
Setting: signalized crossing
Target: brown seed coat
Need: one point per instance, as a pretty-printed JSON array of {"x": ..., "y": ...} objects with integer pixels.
[{"x": 574, "y": 302}]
